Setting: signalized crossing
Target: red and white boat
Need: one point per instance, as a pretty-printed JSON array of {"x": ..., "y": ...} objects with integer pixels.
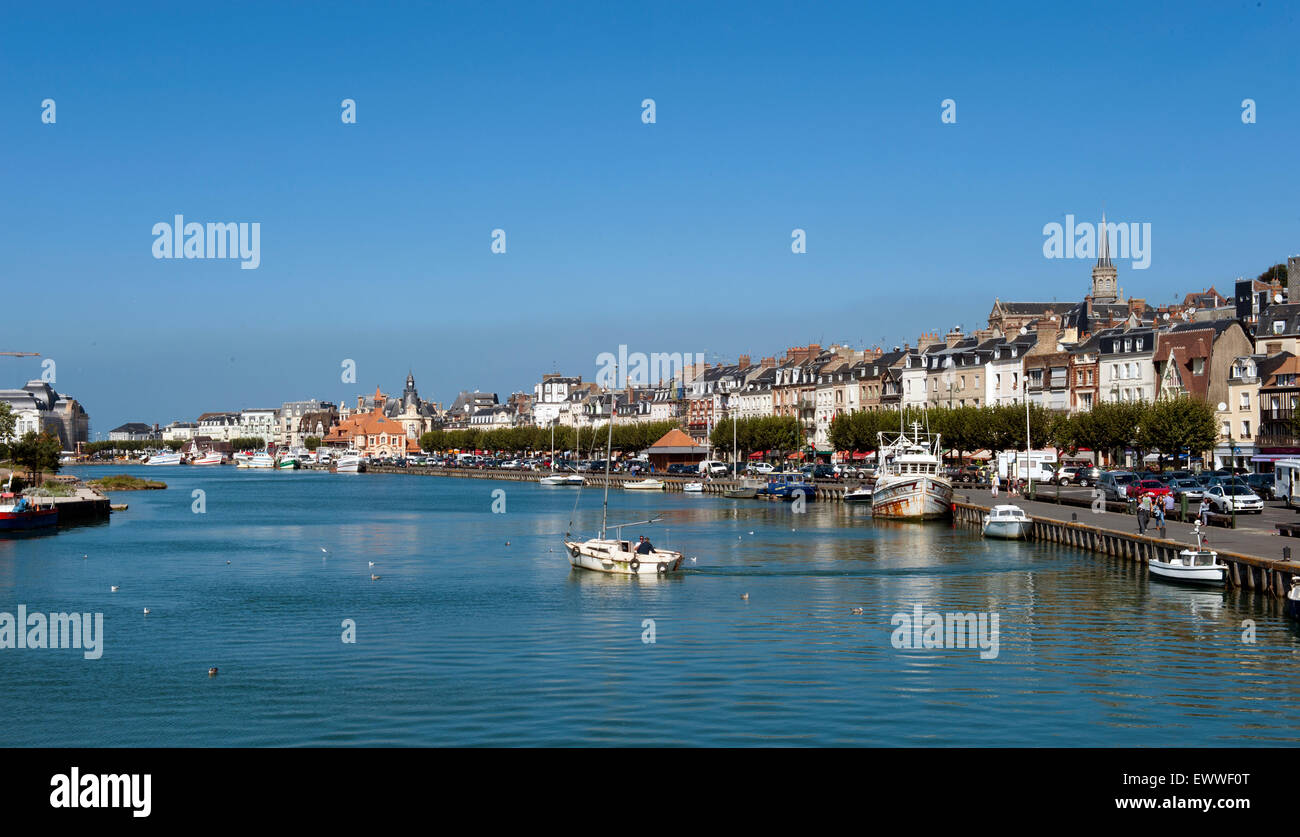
[
  {"x": 909, "y": 485},
  {"x": 18, "y": 514},
  {"x": 212, "y": 457}
]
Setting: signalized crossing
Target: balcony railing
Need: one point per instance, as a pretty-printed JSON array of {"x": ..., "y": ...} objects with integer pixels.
[{"x": 1276, "y": 414}]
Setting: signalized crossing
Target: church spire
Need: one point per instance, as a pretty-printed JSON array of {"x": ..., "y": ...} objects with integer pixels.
[{"x": 1103, "y": 243}]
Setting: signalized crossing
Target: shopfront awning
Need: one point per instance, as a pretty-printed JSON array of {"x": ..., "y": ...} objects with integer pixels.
[{"x": 797, "y": 455}]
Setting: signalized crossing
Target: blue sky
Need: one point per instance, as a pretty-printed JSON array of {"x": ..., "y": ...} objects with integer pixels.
[{"x": 375, "y": 237}]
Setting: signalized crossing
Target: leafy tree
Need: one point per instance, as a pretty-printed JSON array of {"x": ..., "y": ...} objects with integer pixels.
[
  {"x": 8, "y": 421},
  {"x": 1178, "y": 424},
  {"x": 248, "y": 443},
  {"x": 311, "y": 442},
  {"x": 36, "y": 453}
]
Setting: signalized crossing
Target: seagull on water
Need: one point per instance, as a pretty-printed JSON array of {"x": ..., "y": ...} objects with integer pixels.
[
  {"x": 212, "y": 672},
  {"x": 744, "y": 596},
  {"x": 113, "y": 588},
  {"x": 374, "y": 577},
  {"x": 372, "y": 563},
  {"x": 857, "y": 610},
  {"x": 146, "y": 611}
]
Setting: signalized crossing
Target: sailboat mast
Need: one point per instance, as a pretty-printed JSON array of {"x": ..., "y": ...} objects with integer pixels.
[
  {"x": 609, "y": 451},
  {"x": 1029, "y": 472}
]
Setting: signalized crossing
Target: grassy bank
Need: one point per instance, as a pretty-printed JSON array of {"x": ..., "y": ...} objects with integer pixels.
[{"x": 125, "y": 482}]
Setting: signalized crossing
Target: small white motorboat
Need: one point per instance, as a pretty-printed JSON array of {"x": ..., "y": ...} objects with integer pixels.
[
  {"x": 1007, "y": 523},
  {"x": 1192, "y": 566},
  {"x": 859, "y": 496},
  {"x": 561, "y": 479},
  {"x": 644, "y": 485},
  {"x": 1293, "y": 598},
  {"x": 693, "y": 488},
  {"x": 261, "y": 459},
  {"x": 348, "y": 463}
]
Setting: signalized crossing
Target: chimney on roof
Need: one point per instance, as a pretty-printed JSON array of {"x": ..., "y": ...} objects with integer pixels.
[
  {"x": 767, "y": 362},
  {"x": 743, "y": 362},
  {"x": 1048, "y": 330},
  {"x": 953, "y": 337}
]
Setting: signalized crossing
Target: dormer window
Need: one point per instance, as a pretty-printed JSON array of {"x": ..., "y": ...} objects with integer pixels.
[
  {"x": 1139, "y": 344},
  {"x": 1279, "y": 326}
]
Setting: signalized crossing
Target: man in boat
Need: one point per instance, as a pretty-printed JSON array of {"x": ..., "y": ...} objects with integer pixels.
[{"x": 644, "y": 547}]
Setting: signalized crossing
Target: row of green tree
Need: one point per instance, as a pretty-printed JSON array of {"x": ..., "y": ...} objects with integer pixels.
[
  {"x": 1169, "y": 426},
  {"x": 588, "y": 441},
  {"x": 33, "y": 453}
]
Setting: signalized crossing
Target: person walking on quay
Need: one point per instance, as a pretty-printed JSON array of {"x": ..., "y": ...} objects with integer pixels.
[
  {"x": 995, "y": 483},
  {"x": 1169, "y": 506},
  {"x": 1204, "y": 513},
  {"x": 1160, "y": 517},
  {"x": 1143, "y": 513}
]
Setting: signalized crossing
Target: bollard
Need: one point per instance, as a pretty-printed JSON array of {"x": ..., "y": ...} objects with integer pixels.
[{"x": 1286, "y": 553}]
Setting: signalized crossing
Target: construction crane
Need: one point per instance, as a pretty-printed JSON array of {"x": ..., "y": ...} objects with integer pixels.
[{"x": 21, "y": 354}]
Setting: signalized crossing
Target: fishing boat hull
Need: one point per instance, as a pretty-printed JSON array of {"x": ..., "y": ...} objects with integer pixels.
[
  {"x": 23, "y": 521},
  {"x": 644, "y": 485},
  {"x": 287, "y": 465},
  {"x": 211, "y": 458},
  {"x": 619, "y": 558},
  {"x": 740, "y": 493},
  {"x": 921, "y": 497},
  {"x": 1293, "y": 602},
  {"x": 164, "y": 459},
  {"x": 556, "y": 479}
]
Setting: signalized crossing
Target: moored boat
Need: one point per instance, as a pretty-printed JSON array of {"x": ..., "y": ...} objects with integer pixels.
[
  {"x": 20, "y": 514},
  {"x": 614, "y": 555},
  {"x": 644, "y": 485},
  {"x": 164, "y": 458},
  {"x": 859, "y": 496},
  {"x": 1293, "y": 598},
  {"x": 789, "y": 485},
  {"x": 1008, "y": 523},
  {"x": 286, "y": 462},
  {"x": 741, "y": 493},
  {"x": 348, "y": 463},
  {"x": 261, "y": 459},
  {"x": 211, "y": 457},
  {"x": 909, "y": 485},
  {"x": 693, "y": 488},
  {"x": 1192, "y": 566}
]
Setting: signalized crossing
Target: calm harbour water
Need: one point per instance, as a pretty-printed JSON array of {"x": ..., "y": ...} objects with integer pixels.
[{"x": 465, "y": 640}]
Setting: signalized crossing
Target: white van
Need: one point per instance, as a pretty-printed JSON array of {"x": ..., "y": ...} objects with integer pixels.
[
  {"x": 1039, "y": 466},
  {"x": 714, "y": 467}
]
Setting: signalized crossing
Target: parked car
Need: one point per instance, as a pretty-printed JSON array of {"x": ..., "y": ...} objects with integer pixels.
[
  {"x": 1144, "y": 487},
  {"x": 759, "y": 468},
  {"x": 1088, "y": 475},
  {"x": 1189, "y": 488},
  {"x": 1114, "y": 484},
  {"x": 818, "y": 472},
  {"x": 1067, "y": 475},
  {"x": 714, "y": 467},
  {"x": 1226, "y": 497},
  {"x": 1261, "y": 484},
  {"x": 968, "y": 473}
]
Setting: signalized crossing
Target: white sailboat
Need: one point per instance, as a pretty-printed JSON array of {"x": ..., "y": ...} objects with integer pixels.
[
  {"x": 909, "y": 485},
  {"x": 615, "y": 555},
  {"x": 554, "y": 478}
]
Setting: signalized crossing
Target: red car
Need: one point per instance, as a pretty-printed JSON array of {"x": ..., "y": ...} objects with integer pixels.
[{"x": 1155, "y": 488}]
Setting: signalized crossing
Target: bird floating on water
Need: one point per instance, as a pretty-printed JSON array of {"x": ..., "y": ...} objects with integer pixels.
[
  {"x": 113, "y": 588},
  {"x": 744, "y": 596},
  {"x": 212, "y": 672},
  {"x": 146, "y": 611},
  {"x": 84, "y": 557},
  {"x": 372, "y": 563},
  {"x": 857, "y": 610},
  {"x": 374, "y": 577}
]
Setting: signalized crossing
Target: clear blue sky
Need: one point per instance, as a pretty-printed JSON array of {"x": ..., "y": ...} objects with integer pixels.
[{"x": 375, "y": 240}]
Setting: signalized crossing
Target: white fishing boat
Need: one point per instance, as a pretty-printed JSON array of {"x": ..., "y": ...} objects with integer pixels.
[
  {"x": 1293, "y": 598},
  {"x": 348, "y": 463},
  {"x": 286, "y": 462},
  {"x": 167, "y": 458},
  {"x": 242, "y": 456},
  {"x": 1192, "y": 566},
  {"x": 909, "y": 484},
  {"x": 1008, "y": 523},
  {"x": 859, "y": 496},
  {"x": 212, "y": 457},
  {"x": 261, "y": 459},
  {"x": 645, "y": 485},
  {"x": 615, "y": 555},
  {"x": 693, "y": 488}
]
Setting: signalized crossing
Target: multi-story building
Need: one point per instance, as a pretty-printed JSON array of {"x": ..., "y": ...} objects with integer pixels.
[
  {"x": 259, "y": 424},
  {"x": 38, "y": 408},
  {"x": 550, "y": 396},
  {"x": 1125, "y": 360},
  {"x": 135, "y": 431},
  {"x": 371, "y": 434},
  {"x": 1279, "y": 396},
  {"x": 180, "y": 431},
  {"x": 1237, "y": 414},
  {"x": 292, "y": 430}
]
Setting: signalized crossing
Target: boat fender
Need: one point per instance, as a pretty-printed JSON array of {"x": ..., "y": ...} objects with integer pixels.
[
  {"x": 635, "y": 564},
  {"x": 663, "y": 568},
  {"x": 573, "y": 550}
]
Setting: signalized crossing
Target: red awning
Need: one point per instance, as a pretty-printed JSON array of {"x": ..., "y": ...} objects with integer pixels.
[
  {"x": 758, "y": 454},
  {"x": 798, "y": 455},
  {"x": 857, "y": 454}
]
